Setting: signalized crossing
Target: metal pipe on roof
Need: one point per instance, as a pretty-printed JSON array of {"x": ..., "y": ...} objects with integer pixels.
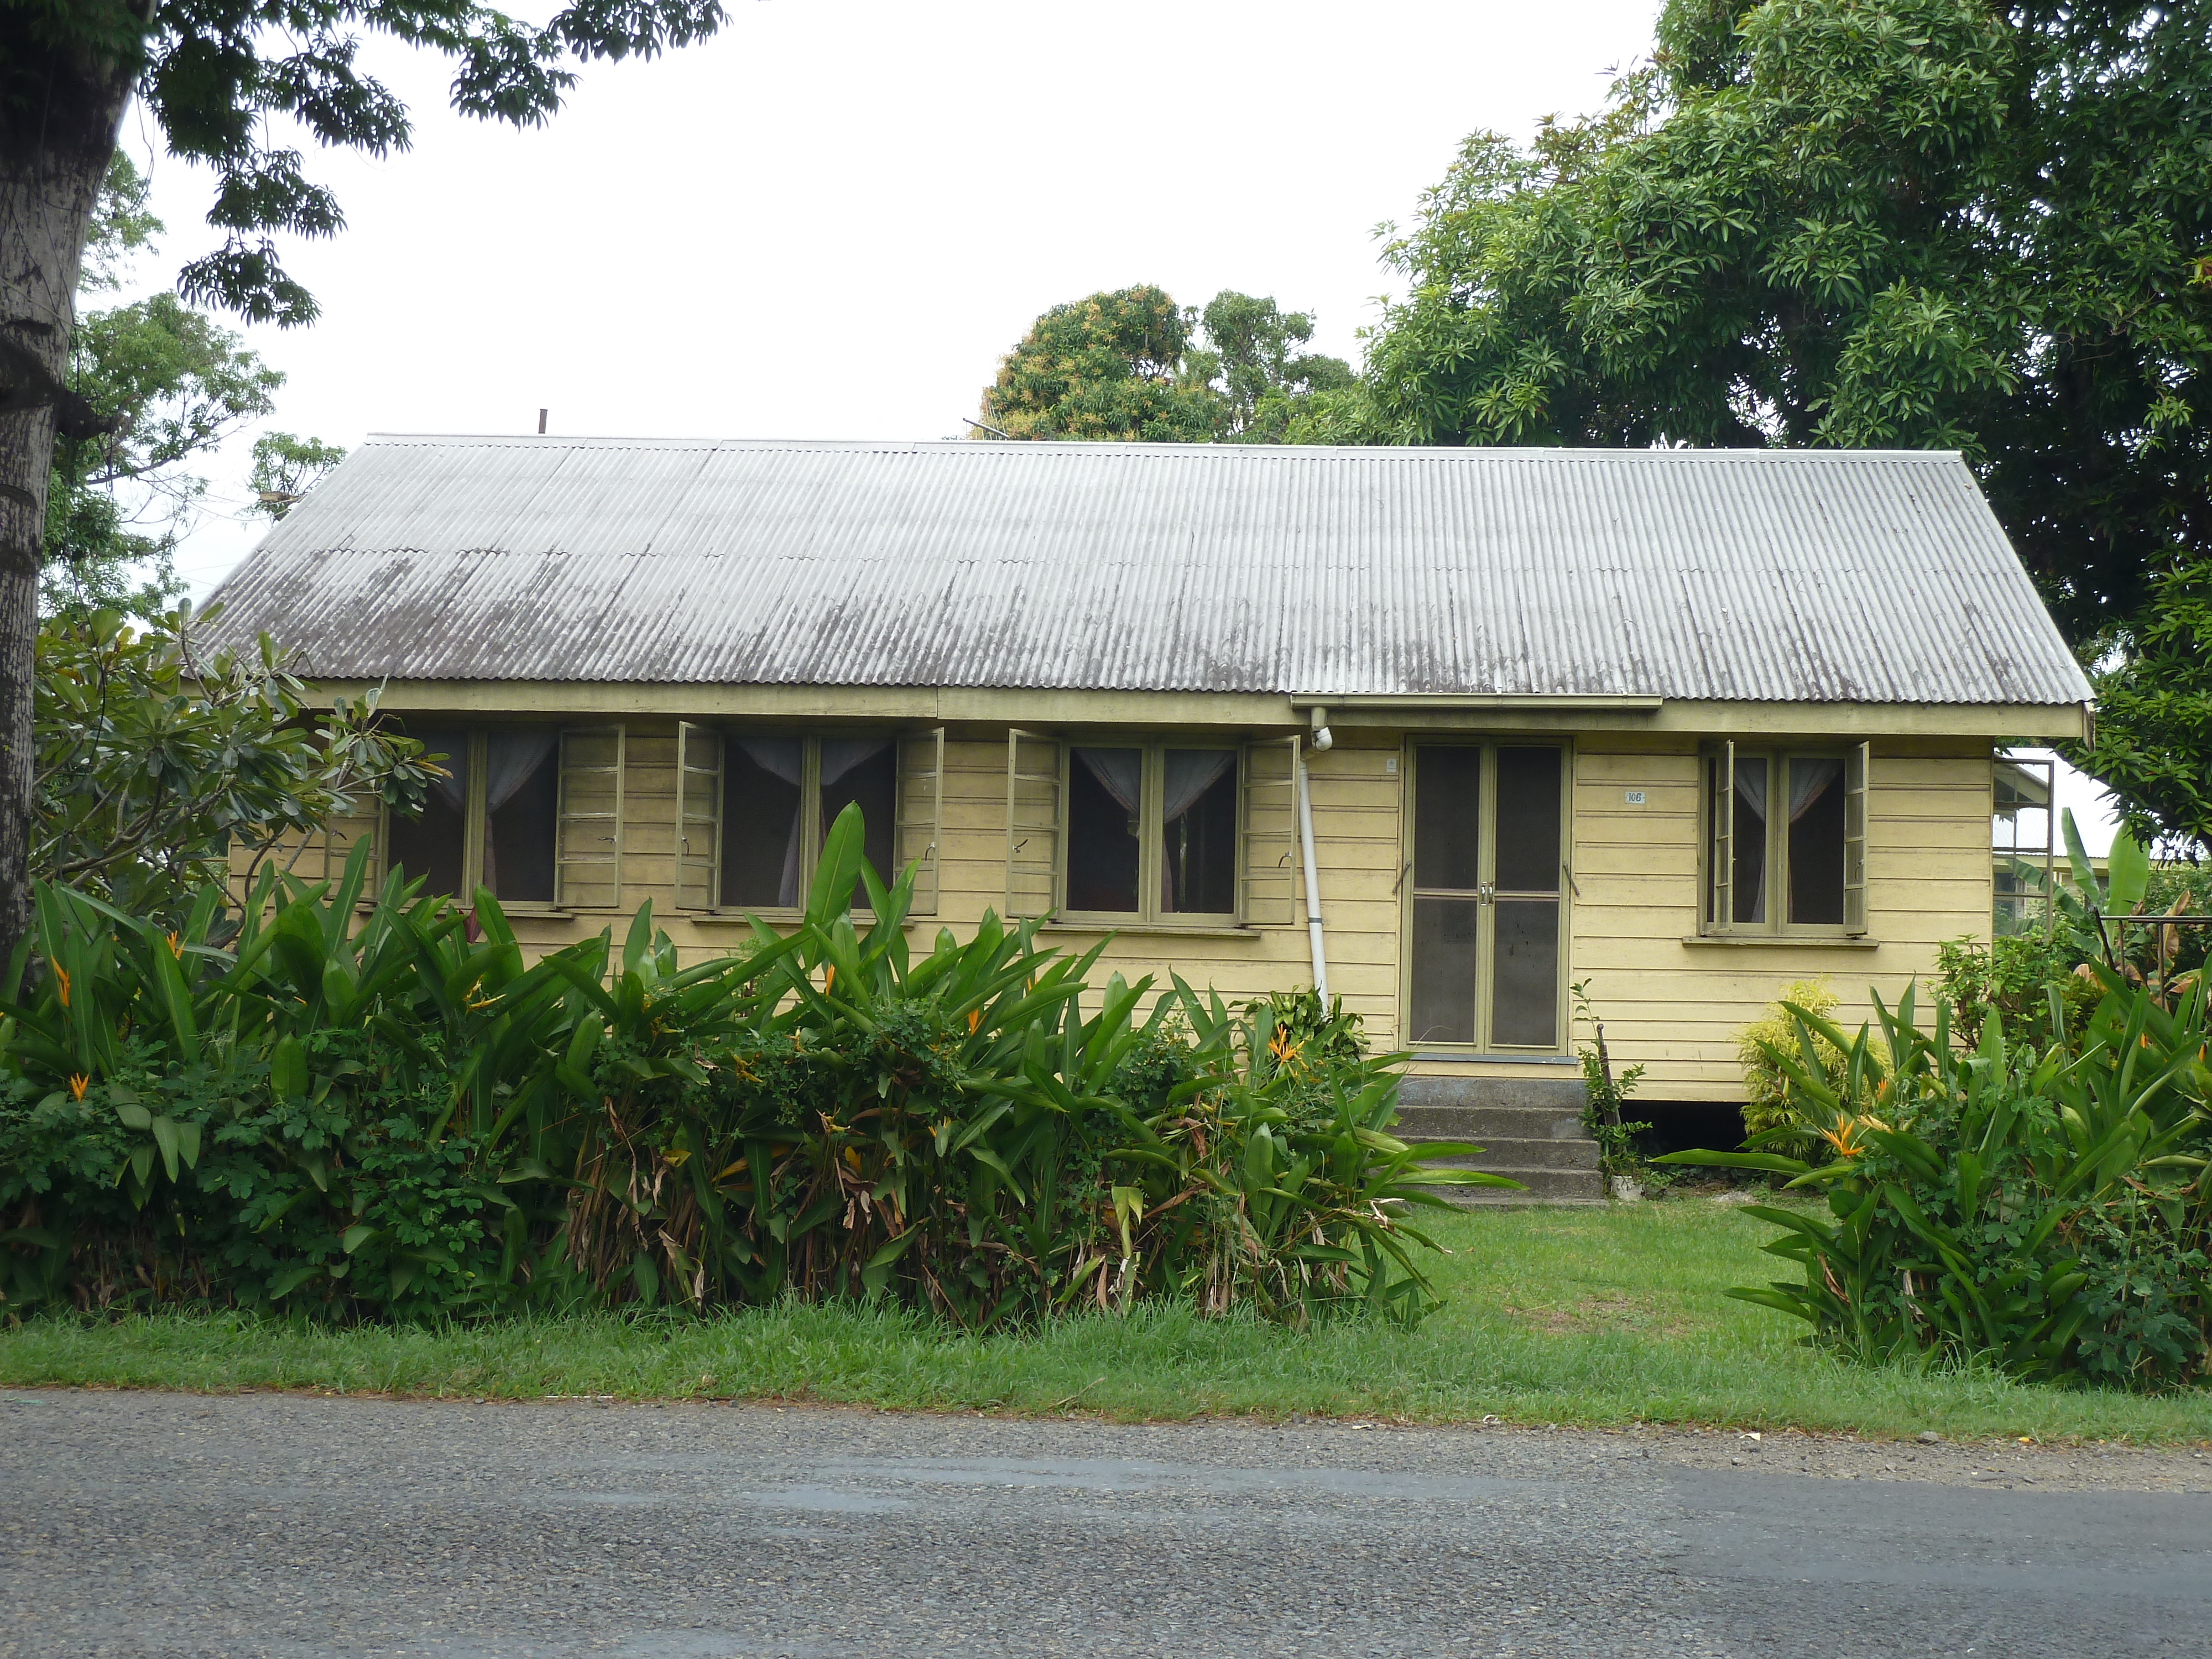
[{"x": 1313, "y": 881}]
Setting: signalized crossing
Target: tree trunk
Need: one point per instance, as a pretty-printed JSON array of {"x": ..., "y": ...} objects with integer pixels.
[{"x": 52, "y": 160}]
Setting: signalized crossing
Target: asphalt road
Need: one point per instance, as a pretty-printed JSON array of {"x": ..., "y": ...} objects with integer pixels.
[{"x": 177, "y": 1525}]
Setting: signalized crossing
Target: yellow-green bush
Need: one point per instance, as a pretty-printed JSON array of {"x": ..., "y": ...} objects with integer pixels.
[{"x": 1766, "y": 1097}]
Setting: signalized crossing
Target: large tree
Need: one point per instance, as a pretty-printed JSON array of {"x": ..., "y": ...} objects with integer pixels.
[
  {"x": 170, "y": 387},
  {"x": 227, "y": 82},
  {"x": 1131, "y": 365},
  {"x": 1919, "y": 223}
]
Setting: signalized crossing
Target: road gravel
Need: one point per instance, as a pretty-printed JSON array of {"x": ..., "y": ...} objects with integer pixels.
[{"x": 145, "y": 1525}]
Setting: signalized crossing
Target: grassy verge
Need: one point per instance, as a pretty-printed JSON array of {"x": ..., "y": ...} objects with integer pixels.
[{"x": 1581, "y": 1316}]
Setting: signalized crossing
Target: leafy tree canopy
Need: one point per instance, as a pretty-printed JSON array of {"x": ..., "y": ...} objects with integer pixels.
[
  {"x": 226, "y": 80},
  {"x": 1917, "y": 224},
  {"x": 171, "y": 386},
  {"x": 1264, "y": 384},
  {"x": 157, "y": 760},
  {"x": 2153, "y": 747},
  {"x": 287, "y": 467},
  {"x": 1131, "y": 365},
  {"x": 242, "y": 87}
]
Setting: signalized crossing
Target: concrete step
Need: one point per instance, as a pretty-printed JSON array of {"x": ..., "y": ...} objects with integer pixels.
[
  {"x": 1560, "y": 1094},
  {"x": 1496, "y": 1198},
  {"x": 1539, "y": 1186},
  {"x": 1503, "y": 1154},
  {"x": 1530, "y": 1129},
  {"x": 1483, "y": 1124}
]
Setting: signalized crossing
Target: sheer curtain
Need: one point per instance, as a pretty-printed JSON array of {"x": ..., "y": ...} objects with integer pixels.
[
  {"x": 511, "y": 759},
  {"x": 840, "y": 755},
  {"x": 1119, "y": 773},
  {"x": 1187, "y": 774},
  {"x": 781, "y": 757},
  {"x": 1809, "y": 779},
  {"x": 1750, "y": 790},
  {"x": 453, "y": 790}
]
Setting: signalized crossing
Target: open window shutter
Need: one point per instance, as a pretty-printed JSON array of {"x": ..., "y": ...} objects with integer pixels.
[
  {"x": 1720, "y": 843},
  {"x": 1855, "y": 766},
  {"x": 1270, "y": 822},
  {"x": 920, "y": 812},
  {"x": 589, "y": 873},
  {"x": 1033, "y": 816},
  {"x": 698, "y": 817}
]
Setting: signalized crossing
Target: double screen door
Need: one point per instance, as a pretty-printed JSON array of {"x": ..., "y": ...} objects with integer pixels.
[{"x": 1488, "y": 916}]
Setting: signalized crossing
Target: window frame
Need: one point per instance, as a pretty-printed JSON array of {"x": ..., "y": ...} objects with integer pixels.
[
  {"x": 1717, "y": 759},
  {"x": 477, "y": 758},
  {"x": 1151, "y": 797},
  {"x": 811, "y": 828}
]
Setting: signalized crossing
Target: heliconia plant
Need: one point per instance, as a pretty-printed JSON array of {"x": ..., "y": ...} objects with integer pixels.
[
  {"x": 387, "y": 1111},
  {"x": 2043, "y": 1209}
]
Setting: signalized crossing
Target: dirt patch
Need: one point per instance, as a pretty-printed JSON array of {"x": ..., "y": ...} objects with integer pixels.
[{"x": 1591, "y": 1315}]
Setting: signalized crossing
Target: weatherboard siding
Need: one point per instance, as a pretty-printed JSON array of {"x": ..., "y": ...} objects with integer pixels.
[
  {"x": 1677, "y": 1007},
  {"x": 1671, "y": 1005}
]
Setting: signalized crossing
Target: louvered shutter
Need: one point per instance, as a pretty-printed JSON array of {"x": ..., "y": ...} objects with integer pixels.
[
  {"x": 1034, "y": 789},
  {"x": 588, "y": 875},
  {"x": 698, "y": 817}
]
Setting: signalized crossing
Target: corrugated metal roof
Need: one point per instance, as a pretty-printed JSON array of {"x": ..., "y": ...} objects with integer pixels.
[{"x": 1822, "y": 575}]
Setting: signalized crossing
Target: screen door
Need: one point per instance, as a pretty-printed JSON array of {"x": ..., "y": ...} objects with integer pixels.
[{"x": 1485, "y": 935}]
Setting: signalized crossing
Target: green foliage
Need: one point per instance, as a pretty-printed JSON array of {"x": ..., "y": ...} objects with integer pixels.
[
  {"x": 1917, "y": 224},
  {"x": 1128, "y": 366},
  {"x": 287, "y": 467},
  {"x": 172, "y": 385},
  {"x": 154, "y": 761},
  {"x": 2014, "y": 976},
  {"x": 225, "y": 81},
  {"x": 2153, "y": 747},
  {"x": 2048, "y": 1211},
  {"x": 1605, "y": 1096},
  {"x": 1769, "y": 1110},
  {"x": 395, "y": 1116},
  {"x": 1107, "y": 367},
  {"x": 1267, "y": 389}
]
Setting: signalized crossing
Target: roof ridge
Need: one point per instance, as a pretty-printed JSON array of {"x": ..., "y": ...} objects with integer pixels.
[{"x": 1168, "y": 451}]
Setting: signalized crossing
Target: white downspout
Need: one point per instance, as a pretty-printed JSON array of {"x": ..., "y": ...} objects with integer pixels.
[{"x": 1313, "y": 881}]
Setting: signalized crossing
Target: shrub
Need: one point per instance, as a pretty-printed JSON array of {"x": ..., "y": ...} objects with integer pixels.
[
  {"x": 2014, "y": 977},
  {"x": 1769, "y": 1109},
  {"x": 399, "y": 1117},
  {"x": 2049, "y": 1209},
  {"x": 1605, "y": 1100}
]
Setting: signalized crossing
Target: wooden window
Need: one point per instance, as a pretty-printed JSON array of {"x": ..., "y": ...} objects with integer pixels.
[
  {"x": 498, "y": 821},
  {"x": 1162, "y": 832},
  {"x": 1784, "y": 840},
  {"x": 754, "y": 807}
]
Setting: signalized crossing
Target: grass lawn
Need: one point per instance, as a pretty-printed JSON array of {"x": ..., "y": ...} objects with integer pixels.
[{"x": 1570, "y": 1317}]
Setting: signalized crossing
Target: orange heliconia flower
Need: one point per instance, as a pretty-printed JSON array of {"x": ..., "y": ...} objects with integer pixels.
[
  {"x": 61, "y": 976},
  {"x": 78, "y": 1084},
  {"x": 974, "y": 1019},
  {"x": 1847, "y": 1137}
]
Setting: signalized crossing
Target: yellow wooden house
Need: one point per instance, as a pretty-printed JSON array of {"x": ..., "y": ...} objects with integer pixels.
[{"x": 1443, "y": 731}]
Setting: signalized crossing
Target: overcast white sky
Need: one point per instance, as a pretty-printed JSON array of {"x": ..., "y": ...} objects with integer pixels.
[{"x": 831, "y": 220}]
